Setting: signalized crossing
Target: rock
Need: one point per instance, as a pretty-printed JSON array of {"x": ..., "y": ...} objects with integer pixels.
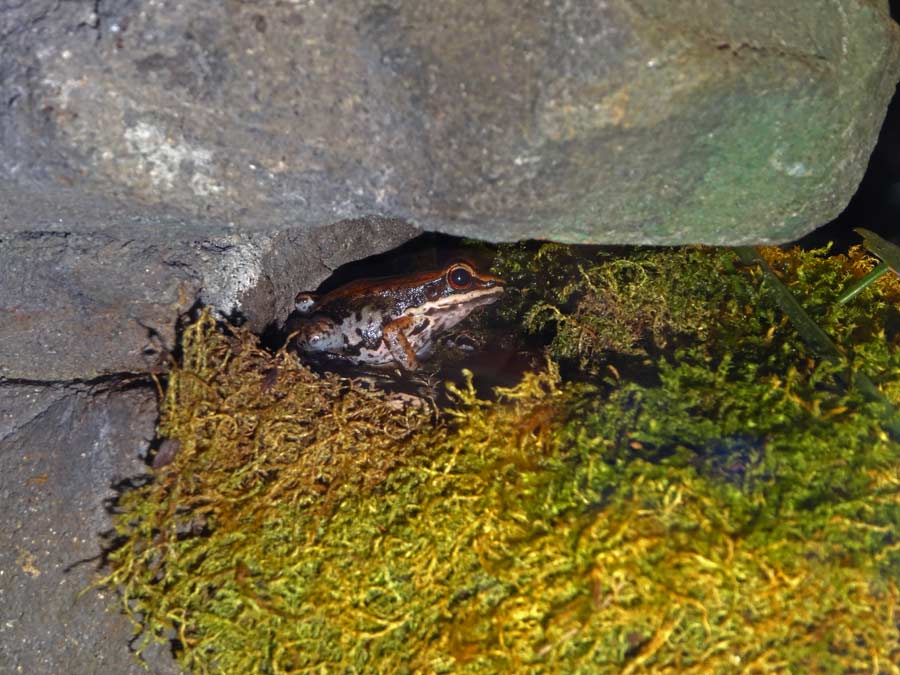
[
  {"x": 78, "y": 304},
  {"x": 158, "y": 154},
  {"x": 62, "y": 448},
  {"x": 629, "y": 121}
]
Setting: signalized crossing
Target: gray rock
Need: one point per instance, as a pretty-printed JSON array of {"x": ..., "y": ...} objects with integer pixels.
[
  {"x": 628, "y": 121},
  {"x": 61, "y": 450},
  {"x": 77, "y": 304},
  {"x": 157, "y": 154}
]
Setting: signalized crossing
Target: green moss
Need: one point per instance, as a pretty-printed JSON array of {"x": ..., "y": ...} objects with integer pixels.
[
  {"x": 735, "y": 514},
  {"x": 650, "y": 302},
  {"x": 634, "y": 302}
]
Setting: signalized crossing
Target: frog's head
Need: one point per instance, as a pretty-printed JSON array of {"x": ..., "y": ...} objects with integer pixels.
[{"x": 458, "y": 290}]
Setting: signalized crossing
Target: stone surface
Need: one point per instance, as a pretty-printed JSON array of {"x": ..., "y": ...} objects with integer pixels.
[
  {"x": 76, "y": 304},
  {"x": 624, "y": 121},
  {"x": 61, "y": 450},
  {"x": 159, "y": 153}
]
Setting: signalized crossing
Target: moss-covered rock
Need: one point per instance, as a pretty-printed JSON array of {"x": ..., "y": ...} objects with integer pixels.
[{"x": 736, "y": 512}]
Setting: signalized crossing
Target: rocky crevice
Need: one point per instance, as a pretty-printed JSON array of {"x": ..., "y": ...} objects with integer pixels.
[{"x": 228, "y": 154}]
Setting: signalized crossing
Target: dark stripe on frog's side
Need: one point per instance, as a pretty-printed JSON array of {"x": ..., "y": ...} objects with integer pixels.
[
  {"x": 422, "y": 325},
  {"x": 382, "y": 285},
  {"x": 390, "y": 295},
  {"x": 391, "y": 301}
]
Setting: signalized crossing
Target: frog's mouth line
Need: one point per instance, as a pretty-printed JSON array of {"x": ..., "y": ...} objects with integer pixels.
[{"x": 476, "y": 298}]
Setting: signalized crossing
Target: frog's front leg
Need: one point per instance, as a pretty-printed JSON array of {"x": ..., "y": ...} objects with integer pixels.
[{"x": 394, "y": 336}]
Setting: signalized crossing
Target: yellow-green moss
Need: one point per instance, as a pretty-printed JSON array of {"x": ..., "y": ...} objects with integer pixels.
[
  {"x": 731, "y": 515},
  {"x": 647, "y": 302},
  {"x": 634, "y": 302}
]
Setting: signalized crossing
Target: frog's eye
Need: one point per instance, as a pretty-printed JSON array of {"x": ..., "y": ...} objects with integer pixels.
[
  {"x": 460, "y": 277},
  {"x": 304, "y": 302}
]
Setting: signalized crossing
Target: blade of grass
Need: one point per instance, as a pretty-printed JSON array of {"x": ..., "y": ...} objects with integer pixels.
[
  {"x": 817, "y": 338},
  {"x": 888, "y": 252},
  {"x": 890, "y": 260},
  {"x": 857, "y": 287}
]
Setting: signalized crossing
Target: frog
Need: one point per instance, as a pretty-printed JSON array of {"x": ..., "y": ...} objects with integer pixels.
[{"x": 390, "y": 321}]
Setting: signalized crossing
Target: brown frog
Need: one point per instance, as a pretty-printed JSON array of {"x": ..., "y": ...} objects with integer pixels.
[{"x": 379, "y": 322}]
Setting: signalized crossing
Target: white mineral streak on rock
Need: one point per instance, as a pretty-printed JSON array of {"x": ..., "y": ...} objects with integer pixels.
[{"x": 164, "y": 159}]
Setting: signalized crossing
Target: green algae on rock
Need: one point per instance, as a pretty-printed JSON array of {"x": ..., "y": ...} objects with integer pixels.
[{"x": 736, "y": 514}]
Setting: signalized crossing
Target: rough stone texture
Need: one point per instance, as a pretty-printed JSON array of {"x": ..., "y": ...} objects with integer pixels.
[
  {"x": 79, "y": 304},
  {"x": 157, "y": 153},
  {"x": 624, "y": 121},
  {"x": 61, "y": 450}
]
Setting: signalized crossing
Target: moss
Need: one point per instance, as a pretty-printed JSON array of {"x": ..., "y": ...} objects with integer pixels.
[
  {"x": 597, "y": 308},
  {"x": 645, "y": 302},
  {"x": 736, "y": 514}
]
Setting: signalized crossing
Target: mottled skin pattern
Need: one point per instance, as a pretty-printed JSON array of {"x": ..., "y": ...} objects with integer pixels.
[{"x": 395, "y": 320}]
